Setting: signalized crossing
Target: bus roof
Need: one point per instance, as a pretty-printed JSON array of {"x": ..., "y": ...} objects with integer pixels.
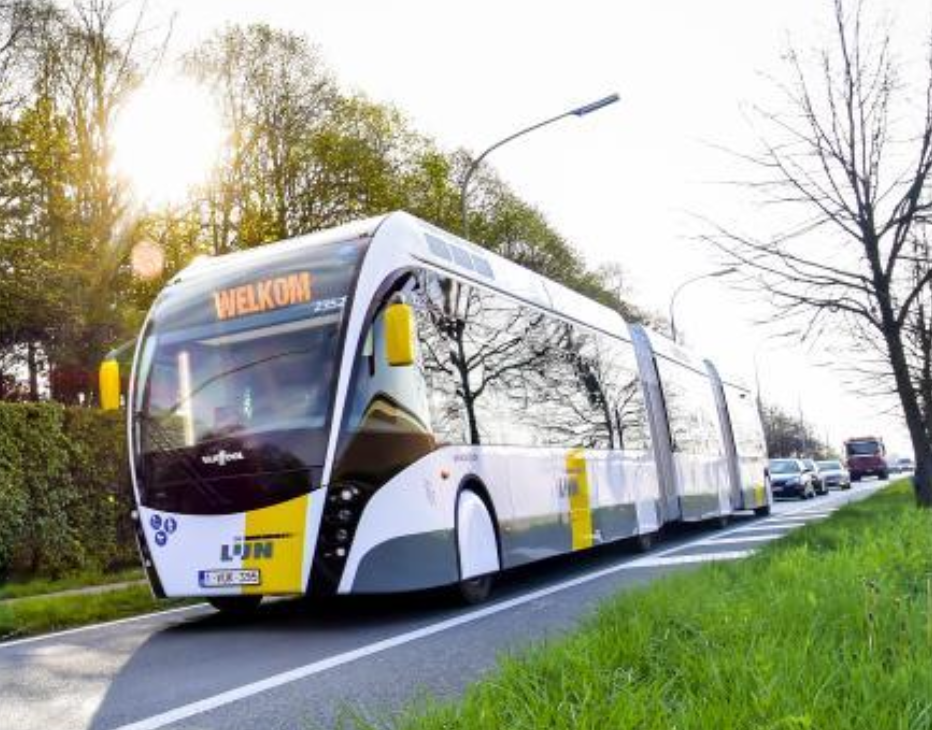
[{"x": 397, "y": 238}]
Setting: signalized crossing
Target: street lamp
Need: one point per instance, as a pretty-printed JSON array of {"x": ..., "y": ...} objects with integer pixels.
[
  {"x": 710, "y": 275},
  {"x": 580, "y": 111},
  {"x": 757, "y": 350}
]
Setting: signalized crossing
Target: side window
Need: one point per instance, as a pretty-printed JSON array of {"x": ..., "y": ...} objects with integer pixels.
[
  {"x": 441, "y": 339},
  {"x": 628, "y": 411},
  {"x": 691, "y": 408},
  {"x": 574, "y": 401},
  {"x": 498, "y": 372},
  {"x": 475, "y": 352},
  {"x": 676, "y": 401},
  {"x": 749, "y": 438}
]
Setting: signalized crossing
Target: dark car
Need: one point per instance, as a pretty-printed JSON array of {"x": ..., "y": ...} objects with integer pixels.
[
  {"x": 790, "y": 478},
  {"x": 818, "y": 483},
  {"x": 834, "y": 474}
]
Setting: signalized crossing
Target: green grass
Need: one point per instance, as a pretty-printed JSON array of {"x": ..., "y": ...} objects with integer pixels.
[
  {"x": 23, "y": 587},
  {"x": 40, "y": 614},
  {"x": 830, "y": 628}
]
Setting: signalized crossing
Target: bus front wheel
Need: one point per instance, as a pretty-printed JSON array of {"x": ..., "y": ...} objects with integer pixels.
[
  {"x": 235, "y": 605},
  {"x": 477, "y": 546},
  {"x": 475, "y": 590}
]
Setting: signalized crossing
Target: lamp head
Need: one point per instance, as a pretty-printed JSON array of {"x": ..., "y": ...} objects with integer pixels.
[{"x": 595, "y": 105}]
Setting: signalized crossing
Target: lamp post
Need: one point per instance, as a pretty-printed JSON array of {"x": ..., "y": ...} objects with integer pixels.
[
  {"x": 760, "y": 401},
  {"x": 710, "y": 275},
  {"x": 580, "y": 111}
]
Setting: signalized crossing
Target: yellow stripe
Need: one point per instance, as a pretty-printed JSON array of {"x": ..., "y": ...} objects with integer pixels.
[
  {"x": 580, "y": 508},
  {"x": 281, "y": 573},
  {"x": 760, "y": 494}
]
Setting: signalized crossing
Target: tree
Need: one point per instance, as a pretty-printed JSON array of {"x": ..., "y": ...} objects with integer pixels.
[
  {"x": 62, "y": 211},
  {"x": 791, "y": 436},
  {"x": 299, "y": 156},
  {"x": 847, "y": 162}
]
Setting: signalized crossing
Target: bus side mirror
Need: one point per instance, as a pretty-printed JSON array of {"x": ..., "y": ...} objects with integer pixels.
[
  {"x": 399, "y": 334},
  {"x": 109, "y": 377}
]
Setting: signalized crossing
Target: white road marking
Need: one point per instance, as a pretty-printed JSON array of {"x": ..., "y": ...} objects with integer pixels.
[
  {"x": 102, "y": 625},
  {"x": 731, "y": 540},
  {"x": 798, "y": 521},
  {"x": 761, "y": 527},
  {"x": 652, "y": 562}
]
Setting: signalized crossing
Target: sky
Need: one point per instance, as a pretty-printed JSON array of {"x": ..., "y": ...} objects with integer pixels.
[{"x": 628, "y": 184}]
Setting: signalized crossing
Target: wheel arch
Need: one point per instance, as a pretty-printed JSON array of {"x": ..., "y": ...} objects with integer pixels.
[{"x": 474, "y": 484}]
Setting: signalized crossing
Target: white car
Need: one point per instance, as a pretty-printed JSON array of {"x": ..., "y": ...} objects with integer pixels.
[{"x": 834, "y": 474}]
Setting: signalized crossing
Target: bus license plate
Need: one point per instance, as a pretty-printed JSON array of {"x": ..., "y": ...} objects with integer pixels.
[{"x": 225, "y": 578}]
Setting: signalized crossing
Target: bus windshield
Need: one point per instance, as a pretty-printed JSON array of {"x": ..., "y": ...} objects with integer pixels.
[
  {"x": 867, "y": 447},
  {"x": 235, "y": 383}
]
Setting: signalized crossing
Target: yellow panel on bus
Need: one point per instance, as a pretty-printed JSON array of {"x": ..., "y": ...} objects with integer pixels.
[{"x": 276, "y": 538}]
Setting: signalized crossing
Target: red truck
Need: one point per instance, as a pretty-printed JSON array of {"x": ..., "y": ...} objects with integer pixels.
[{"x": 866, "y": 456}]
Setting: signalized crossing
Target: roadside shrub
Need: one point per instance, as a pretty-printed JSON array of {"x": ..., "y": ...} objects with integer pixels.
[{"x": 64, "y": 496}]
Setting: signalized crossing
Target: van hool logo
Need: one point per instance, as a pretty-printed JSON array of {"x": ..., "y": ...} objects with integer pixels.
[
  {"x": 222, "y": 457},
  {"x": 256, "y": 547}
]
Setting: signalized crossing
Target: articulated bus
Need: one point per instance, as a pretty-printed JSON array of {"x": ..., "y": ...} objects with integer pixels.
[{"x": 386, "y": 407}]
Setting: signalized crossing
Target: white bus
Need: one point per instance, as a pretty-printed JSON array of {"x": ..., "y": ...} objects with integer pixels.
[{"x": 386, "y": 407}]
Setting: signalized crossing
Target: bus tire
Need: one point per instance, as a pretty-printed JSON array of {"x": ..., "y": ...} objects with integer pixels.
[
  {"x": 762, "y": 511},
  {"x": 477, "y": 546},
  {"x": 475, "y": 590},
  {"x": 644, "y": 542},
  {"x": 235, "y": 605}
]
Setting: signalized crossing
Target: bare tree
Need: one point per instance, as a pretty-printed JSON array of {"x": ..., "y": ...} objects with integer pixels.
[{"x": 847, "y": 162}]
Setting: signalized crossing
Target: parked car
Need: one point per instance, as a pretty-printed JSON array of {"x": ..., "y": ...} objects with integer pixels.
[
  {"x": 790, "y": 478},
  {"x": 905, "y": 464},
  {"x": 834, "y": 474},
  {"x": 817, "y": 482}
]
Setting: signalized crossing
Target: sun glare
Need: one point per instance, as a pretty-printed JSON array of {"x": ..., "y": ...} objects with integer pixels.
[{"x": 166, "y": 140}]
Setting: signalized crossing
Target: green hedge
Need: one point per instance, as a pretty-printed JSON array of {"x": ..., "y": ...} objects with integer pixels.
[{"x": 64, "y": 494}]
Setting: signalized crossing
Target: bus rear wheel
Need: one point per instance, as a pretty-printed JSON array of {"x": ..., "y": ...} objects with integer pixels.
[
  {"x": 763, "y": 511},
  {"x": 644, "y": 542},
  {"x": 235, "y": 605}
]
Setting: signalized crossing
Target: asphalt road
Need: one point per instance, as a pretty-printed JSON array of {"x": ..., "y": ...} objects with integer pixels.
[{"x": 302, "y": 665}]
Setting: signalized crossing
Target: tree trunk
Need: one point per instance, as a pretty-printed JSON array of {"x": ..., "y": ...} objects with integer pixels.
[
  {"x": 32, "y": 364},
  {"x": 915, "y": 421}
]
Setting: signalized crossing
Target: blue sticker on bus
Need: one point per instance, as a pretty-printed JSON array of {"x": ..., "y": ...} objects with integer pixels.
[
  {"x": 156, "y": 522},
  {"x": 171, "y": 524},
  {"x": 161, "y": 538}
]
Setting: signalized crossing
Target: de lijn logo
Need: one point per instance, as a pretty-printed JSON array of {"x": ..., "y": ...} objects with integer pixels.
[
  {"x": 163, "y": 528},
  {"x": 260, "y": 547}
]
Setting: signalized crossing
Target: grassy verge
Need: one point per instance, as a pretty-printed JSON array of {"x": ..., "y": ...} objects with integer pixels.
[
  {"x": 24, "y": 587},
  {"x": 830, "y": 628},
  {"x": 40, "y": 614}
]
